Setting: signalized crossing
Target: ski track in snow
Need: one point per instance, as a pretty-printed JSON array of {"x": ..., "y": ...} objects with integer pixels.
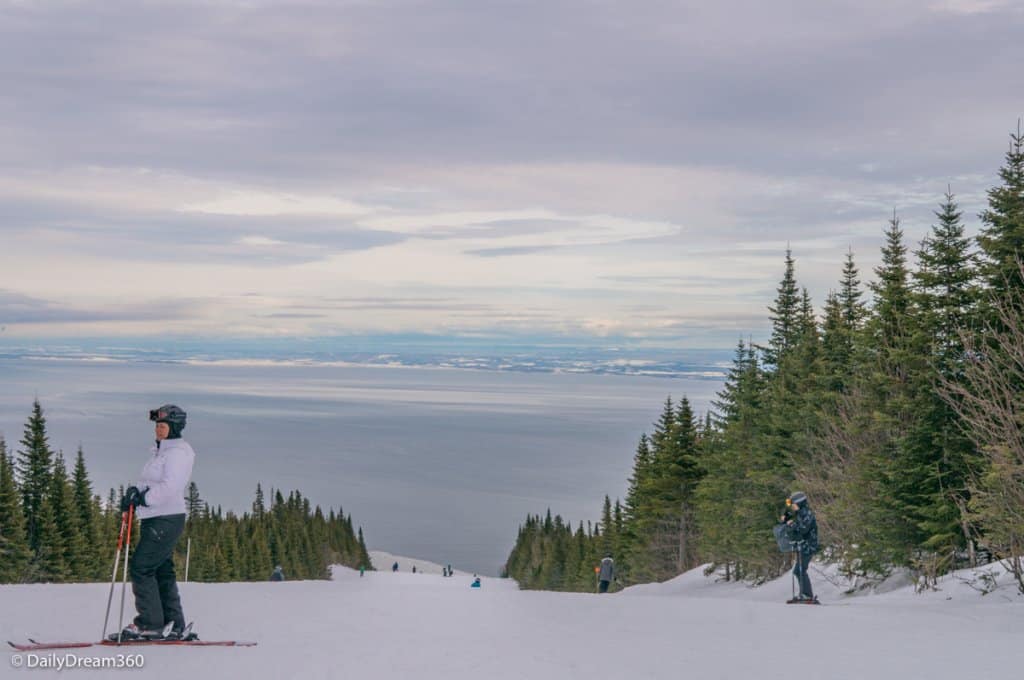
[{"x": 422, "y": 626}]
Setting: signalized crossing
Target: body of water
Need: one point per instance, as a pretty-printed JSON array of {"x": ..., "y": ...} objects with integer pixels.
[{"x": 438, "y": 463}]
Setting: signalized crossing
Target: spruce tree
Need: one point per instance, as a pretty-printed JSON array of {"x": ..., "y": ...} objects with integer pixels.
[
  {"x": 946, "y": 292},
  {"x": 835, "y": 367},
  {"x": 14, "y": 549},
  {"x": 785, "y": 316},
  {"x": 35, "y": 463},
  {"x": 193, "y": 503},
  {"x": 258, "y": 507},
  {"x": 853, "y": 309},
  {"x": 364, "y": 555},
  {"x": 90, "y": 566},
  {"x": 78, "y": 566},
  {"x": 35, "y": 468},
  {"x": 608, "y": 526},
  {"x": 1002, "y": 237},
  {"x": 729, "y": 495},
  {"x": 892, "y": 381}
]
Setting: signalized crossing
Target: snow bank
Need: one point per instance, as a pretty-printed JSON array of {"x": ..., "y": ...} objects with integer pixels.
[{"x": 832, "y": 587}]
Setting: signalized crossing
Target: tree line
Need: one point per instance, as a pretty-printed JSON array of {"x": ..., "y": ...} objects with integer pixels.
[
  {"x": 54, "y": 529},
  {"x": 897, "y": 409}
]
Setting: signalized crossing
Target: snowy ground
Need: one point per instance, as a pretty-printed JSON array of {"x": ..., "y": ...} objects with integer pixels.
[
  {"x": 424, "y": 626},
  {"x": 383, "y": 561}
]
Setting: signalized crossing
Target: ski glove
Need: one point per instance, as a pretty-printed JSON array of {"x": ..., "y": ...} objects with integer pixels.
[{"x": 133, "y": 497}]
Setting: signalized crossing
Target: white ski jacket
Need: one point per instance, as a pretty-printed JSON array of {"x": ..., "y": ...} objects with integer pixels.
[{"x": 166, "y": 475}]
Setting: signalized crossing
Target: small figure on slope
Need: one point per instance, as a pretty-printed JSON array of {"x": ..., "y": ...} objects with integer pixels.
[
  {"x": 606, "y": 574},
  {"x": 803, "y": 531},
  {"x": 278, "y": 574}
]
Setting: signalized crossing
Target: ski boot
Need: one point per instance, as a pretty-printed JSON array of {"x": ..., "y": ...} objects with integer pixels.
[
  {"x": 184, "y": 635},
  {"x": 133, "y": 632}
]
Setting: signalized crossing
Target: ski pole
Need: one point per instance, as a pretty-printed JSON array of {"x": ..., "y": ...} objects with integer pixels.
[
  {"x": 792, "y": 581},
  {"x": 124, "y": 581},
  {"x": 113, "y": 577}
]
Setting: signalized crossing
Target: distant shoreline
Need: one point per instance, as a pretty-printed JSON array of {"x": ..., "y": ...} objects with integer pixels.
[{"x": 651, "y": 368}]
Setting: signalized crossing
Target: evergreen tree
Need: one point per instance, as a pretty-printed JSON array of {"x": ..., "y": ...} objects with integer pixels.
[
  {"x": 941, "y": 455},
  {"x": 785, "y": 316},
  {"x": 729, "y": 494},
  {"x": 258, "y": 508},
  {"x": 86, "y": 516},
  {"x": 193, "y": 503},
  {"x": 892, "y": 298},
  {"x": 35, "y": 462},
  {"x": 853, "y": 309},
  {"x": 638, "y": 480},
  {"x": 608, "y": 526},
  {"x": 892, "y": 380},
  {"x": 1002, "y": 237},
  {"x": 835, "y": 367},
  {"x": 364, "y": 554},
  {"x": 78, "y": 567},
  {"x": 14, "y": 549},
  {"x": 35, "y": 468}
]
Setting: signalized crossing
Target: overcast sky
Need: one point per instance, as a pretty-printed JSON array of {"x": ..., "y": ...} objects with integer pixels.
[{"x": 583, "y": 168}]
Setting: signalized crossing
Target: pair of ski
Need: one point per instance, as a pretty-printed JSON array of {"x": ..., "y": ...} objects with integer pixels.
[
  {"x": 803, "y": 600},
  {"x": 164, "y": 638},
  {"x": 35, "y": 645}
]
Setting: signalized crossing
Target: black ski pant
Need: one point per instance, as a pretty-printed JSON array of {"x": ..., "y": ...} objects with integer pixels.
[
  {"x": 603, "y": 586},
  {"x": 803, "y": 560},
  {"x": 152, "y": 570}
]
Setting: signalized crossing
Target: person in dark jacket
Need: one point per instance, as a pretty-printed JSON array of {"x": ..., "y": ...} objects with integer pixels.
[
  {"x": 803, "y": 530},
  {"x": 278, "y": 574},
  {"x": 606, "y": 574},
  {"x": 394, "y": 567}
]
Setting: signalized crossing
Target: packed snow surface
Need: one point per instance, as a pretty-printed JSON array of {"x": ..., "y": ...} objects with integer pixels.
[
  {"x": 383, "y": 561},
  {"x": 422, "y": 626}
]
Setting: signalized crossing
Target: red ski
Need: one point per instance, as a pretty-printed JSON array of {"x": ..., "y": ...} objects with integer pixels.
[
  {"x": 33, "y": 645},
  {"x": 179, "y": 643}
]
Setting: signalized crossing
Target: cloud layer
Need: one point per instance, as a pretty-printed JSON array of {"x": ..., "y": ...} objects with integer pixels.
[{"x": 569, "y": 167}]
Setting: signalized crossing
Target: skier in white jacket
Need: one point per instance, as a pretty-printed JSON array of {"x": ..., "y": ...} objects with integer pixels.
[{"x": 159, "y": 500}]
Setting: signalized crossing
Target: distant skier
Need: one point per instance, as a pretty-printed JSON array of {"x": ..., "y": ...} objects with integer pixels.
[
  {"x": 362, "y": 570},
  {"x": 159, "y": 501},
  {"x": 476, "y": 582},
  {"x": 444, "y": 571},
  {"x": 414, "y": 568},
  {"x": 278, "y": 574},
  {"x": 450, "y": 572},
  {"x": 803, "y": 531},
  {"x": 606, "y": 574},
  {"x": 394, "y": 567}
]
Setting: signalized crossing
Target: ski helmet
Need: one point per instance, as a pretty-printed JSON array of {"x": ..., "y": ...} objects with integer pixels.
[
  {"x": 798, "y": 498},
  {"x": 172, "y": 415}
]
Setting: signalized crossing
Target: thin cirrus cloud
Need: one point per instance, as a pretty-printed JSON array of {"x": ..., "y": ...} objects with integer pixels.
[
  {"x": 16, "y": 308},
  {"x": 498, "y": 158}
]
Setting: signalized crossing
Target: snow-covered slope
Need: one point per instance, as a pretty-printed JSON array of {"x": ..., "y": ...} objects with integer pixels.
[
  {"x": 421, "y": 626},
  {"x": 383, "y": 561}
]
